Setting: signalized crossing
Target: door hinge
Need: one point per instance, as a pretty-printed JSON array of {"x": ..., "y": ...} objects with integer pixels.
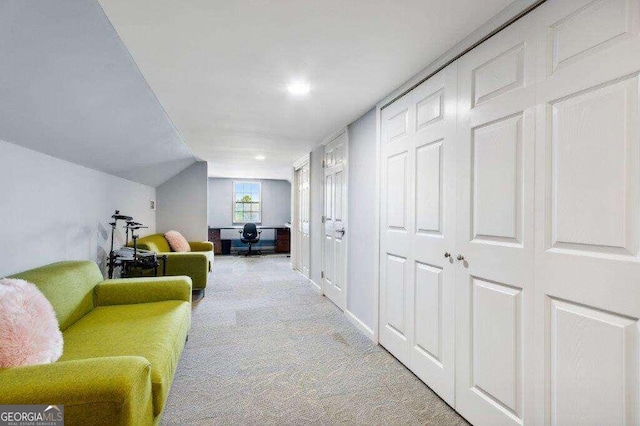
[
  {"x": 321, "y": 274},
  {"x": 323, "y": 218},
  {"x": 324, "y": 164}
]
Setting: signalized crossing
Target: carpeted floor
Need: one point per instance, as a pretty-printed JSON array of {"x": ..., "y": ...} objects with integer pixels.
[{"x": 266, "y": 348}]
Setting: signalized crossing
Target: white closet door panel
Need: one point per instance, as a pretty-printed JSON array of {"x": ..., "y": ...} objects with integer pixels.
[
  {"x": 417, "y": 282},
  {"x": 433, "y": 321},
  {"x": 588, "y": 213},
  {"x": 396, "y": 201},
  {"x": 494, "y": 291}
]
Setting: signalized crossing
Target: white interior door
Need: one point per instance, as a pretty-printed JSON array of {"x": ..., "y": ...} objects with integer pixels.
[
  {"x": 588, "y": 213},
  {"x": 304, "y": 209},
  {"x": 418, "y": 231},
  {"x": 335, "y": 221},
  {"x": 296, "y": 225},
  {"x": 494, "y": 249},
  {"x": 300, "y": 226}
]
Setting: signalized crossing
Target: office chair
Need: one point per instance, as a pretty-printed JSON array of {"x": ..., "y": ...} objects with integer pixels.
[{"x": 250, "y": 236}]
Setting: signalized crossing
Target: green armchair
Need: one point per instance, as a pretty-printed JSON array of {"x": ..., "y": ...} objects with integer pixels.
[{"x": 195, "y": 264}]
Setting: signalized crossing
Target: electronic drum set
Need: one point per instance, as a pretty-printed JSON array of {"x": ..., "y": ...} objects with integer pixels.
[{"x": 129, "y": 258}]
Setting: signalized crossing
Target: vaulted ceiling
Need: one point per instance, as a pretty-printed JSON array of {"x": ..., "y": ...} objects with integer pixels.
[
  {"x": 69, "y": 88},
  {"x": 121, "y": 85},
  {"x": 221, "y": 67}
]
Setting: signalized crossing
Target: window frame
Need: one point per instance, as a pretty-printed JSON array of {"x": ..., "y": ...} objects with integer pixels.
[{"x": 233, "y": 201}]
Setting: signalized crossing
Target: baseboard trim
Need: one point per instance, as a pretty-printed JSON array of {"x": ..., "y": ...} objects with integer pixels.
[
  {"x": 255, "y": 248},
  {"x": 314, "y": 284},
  {"x": 361, "y": 326}
]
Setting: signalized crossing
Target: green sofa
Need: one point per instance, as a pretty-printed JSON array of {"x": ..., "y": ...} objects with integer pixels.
[
  {"x": 122, "y": 343},
  {"x": 196, "y": 264}
]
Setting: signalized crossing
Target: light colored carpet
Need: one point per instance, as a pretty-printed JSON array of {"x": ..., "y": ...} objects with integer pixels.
[{"x": 266, "y": 348}]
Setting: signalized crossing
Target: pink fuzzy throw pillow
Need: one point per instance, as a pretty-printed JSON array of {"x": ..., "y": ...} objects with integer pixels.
[
  {"x": 177, "y": 242},
  {"x": 29, "y": 331}
]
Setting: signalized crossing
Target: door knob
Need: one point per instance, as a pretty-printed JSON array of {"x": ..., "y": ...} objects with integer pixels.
[
  {"x": 447, "y": 254},
  {"x": 342, "y": 231},
  {"x": 460, "y": 257}
]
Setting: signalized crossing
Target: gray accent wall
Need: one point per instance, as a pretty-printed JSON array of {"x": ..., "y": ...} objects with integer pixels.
[
  {"x": 53, "y": 210},
  {"x": 183, "y": 203},
  {"x": 276, "y": 204},
  {"x": 362, "y": 256}
]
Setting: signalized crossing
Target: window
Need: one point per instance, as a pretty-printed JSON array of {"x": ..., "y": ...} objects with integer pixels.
[{"x": 246, "y": 202}]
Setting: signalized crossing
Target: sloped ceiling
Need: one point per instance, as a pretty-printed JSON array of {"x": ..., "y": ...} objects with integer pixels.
[
  {"x": 69, "y": 88},
  {"x": 221, "y": 67}
]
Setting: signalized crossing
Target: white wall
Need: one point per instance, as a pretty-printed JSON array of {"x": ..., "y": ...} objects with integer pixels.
[
  {"x": 183, "y": 203},
  {"x": 276, "y": 204},
  {"x": 362, "y": 257},
  {"x": 53, "y": 210},
  {"x": 315, "y": 225}
]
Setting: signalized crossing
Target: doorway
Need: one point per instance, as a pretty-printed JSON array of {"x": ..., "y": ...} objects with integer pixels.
[
  {"x": 334, "y": 219},
  {"x": 301, "y": 259}
]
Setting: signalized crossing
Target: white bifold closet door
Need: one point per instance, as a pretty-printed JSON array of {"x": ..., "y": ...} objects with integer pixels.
[
  {"x": 521, "y": 160},
  {"x": 587, "y": 273},
  {"x": 494, "y": 292},
  {"x": 418, "y": 231}
]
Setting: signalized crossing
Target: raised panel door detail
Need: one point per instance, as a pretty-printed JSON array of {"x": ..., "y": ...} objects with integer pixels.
[
  {"x": 339, "y": 262},
  {"x": 328, "y": 192},
  {"x": 338, "y": 213},
  {"x": 428, "y": 310},
  {"x": 497, "y": 181},
  {"x": 328, "y": 259},
  {"x": 429, "y": 188},
  {"x": 593, "y": 366},
  {"x": 397, "y": 191},
  {"x": 587, "y": 28},
  {"x": 497, "y": 345},
  {"x": 395, "y": 292},
  {"x": 430, "y": 109},
  {"x": 500, "y": 75},
  {"x": 397, "y": 125},
  {"x": 594, "y": 135}
]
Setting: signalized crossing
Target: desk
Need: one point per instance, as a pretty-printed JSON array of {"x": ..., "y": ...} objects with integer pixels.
[{"x": 282, "y": 237}]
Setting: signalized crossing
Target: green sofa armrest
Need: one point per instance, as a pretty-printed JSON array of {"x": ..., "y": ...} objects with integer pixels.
[
  {"x": 201, "y": 246},
  {"x": 129, "y": 291},
  {"x": 95, "y": 391},
  {"x": 194, "y": 265}
]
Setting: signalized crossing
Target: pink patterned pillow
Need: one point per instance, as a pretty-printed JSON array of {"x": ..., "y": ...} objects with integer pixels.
[
  {"x": 177, "y": 242},
  {"x": 29, "y": 331}
]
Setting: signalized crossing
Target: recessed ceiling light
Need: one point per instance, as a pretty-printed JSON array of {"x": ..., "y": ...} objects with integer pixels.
[
  {"x": 299, "y": 88},
  {"x": 260, "y": 157}
]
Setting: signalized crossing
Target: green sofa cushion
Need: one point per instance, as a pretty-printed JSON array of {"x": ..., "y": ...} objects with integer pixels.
[
  {"x": 156, "y": 242},
  {"x": 111, "y": 391},
  {"x": 156, "y": 331},
  {"x": 68, "y": 286}
]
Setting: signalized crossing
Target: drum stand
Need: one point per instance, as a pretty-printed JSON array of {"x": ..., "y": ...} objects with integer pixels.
[{"x": 112, "y": 255}]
